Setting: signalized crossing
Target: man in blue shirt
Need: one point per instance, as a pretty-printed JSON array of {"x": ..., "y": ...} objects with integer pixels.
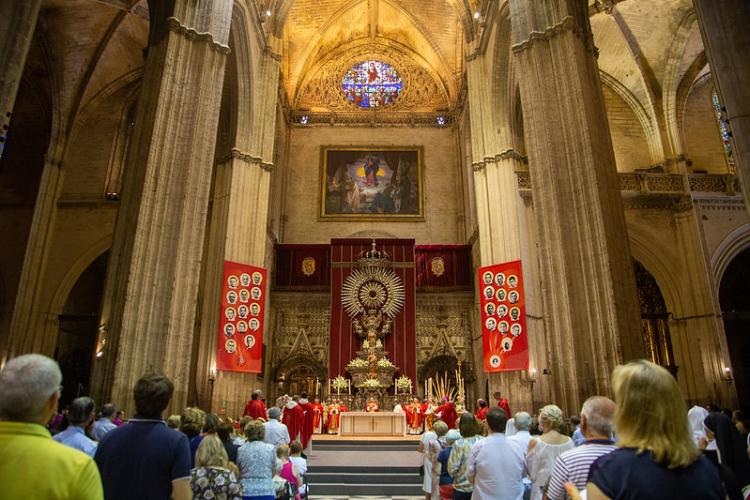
[
  {"x": 104, "y": 424},
  {"x": 144, "y": 458},
  {"x": 80, "y": 416}
]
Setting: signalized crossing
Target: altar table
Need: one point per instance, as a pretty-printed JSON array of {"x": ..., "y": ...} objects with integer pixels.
[{"x": 384, "y": 423}]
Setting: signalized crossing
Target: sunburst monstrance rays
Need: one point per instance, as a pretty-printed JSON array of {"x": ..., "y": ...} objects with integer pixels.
[{"x": 372, "y": 288}]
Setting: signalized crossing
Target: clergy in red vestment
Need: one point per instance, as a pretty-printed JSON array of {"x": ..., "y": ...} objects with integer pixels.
[
  {"x": 294, "y": 419},
  {"x": 318, "y": 411},
  {"x": 255, "y": 408},
  {"x": 414, "y": 417},
  {"x": 308, "y": 423},
  {"x": 447, "y": 413},
  {"x": 333, "y": 410},
  {"x": 482, "y": 409},
  {"x": 502, "y": 403}
]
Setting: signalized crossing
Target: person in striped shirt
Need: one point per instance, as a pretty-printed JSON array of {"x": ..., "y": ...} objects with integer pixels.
[{"x": 574, "y": 465}]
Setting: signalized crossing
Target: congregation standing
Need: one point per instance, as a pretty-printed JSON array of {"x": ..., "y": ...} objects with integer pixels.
[{"x": 643, "y": 444}]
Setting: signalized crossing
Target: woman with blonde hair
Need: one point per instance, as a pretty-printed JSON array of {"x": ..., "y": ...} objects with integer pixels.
[
  {"x": 656, "y": 456},
  {"x": 211, "y": 477},
  {"x": 544, "y": 450}
]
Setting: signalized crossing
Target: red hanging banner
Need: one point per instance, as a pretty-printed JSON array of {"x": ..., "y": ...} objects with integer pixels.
[
  {"x": 504, "y": 336},
  {"x": 241, "y": 319}
]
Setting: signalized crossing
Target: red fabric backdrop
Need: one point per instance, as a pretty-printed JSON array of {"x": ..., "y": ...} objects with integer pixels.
[
  {"x": 444, "y": 267},
  {"x": 401, "y": 343},
  {"x": 290, "y": 273}
]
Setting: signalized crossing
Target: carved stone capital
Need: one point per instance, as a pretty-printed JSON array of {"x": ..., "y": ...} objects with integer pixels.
[
  {"x": 568, "y": 23},
  {"x": 191, "y": 34}
]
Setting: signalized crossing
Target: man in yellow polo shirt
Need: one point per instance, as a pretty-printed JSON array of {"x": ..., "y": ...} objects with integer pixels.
[{"x": 32, "y": 464}]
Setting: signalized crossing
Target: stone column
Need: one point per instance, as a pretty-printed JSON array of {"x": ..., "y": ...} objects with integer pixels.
[
  {"x": 238, "y": 230},
  {"x": 17, "y": 23},
  {"x": 727, "y": 42},
  {"x": 494, "y": 162},
  {"x": 154, "y": 271},
  {"x": 588, "y": 288}
]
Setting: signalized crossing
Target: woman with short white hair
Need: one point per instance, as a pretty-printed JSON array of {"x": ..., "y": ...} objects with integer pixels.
[{"x": 544, "y": 450}]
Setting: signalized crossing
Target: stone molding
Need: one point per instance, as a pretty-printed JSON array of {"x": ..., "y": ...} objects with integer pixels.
[
  {"x": 176, "y": 26},
  {"x": 236, "y": 154},
  {"x": 508, "y": 154},
  {"x": 568, "y": 23}
]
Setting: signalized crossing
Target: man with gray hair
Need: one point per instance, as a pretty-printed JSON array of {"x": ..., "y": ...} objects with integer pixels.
[
  {"x": 104, "y": 424},
  {"x": 276, "y": 433},
  {"x": 522, "y": 423},
  {"x": 32, "y": 464},
  {"x": 81, "y": 414},
  {"x": 574, "y": 465}
]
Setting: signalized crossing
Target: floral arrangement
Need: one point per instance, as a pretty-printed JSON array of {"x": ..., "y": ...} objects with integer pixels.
[
  {"x": 365, "y": 344},
  {"x": 339, "y": 383},
  {"x": 357, "y": 363},
  {"x": 371, "y": 383},
  {"x": 403, "y": 383},
  {"x": 385, "y": 363}
]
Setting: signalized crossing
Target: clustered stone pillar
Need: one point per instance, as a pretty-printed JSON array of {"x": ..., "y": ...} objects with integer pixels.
[
  {"x": 724, "y": 26},
  {"x": 588, "y": 288},
  {"x": 154, "y": 270},
  {"x": 238, "y": 229},
  {"x": 495, "y": 162}
]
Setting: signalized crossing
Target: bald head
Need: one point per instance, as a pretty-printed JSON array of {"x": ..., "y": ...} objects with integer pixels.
[{"x": 596, "y": 417}]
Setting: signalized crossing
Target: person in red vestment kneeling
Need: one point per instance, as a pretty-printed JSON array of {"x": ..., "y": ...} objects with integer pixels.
[
  {"x": 502, "y": 403},
  {"x": 256, "y": 408}
]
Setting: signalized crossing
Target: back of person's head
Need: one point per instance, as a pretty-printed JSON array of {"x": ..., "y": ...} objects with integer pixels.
[
  {"x": 173, "y": 422},
  {"x": 575, "y": 420},
  {"x": 254, "y": 431},
  {"x": 81, "y": 410},
  {"x": 468, "y": 426},
  {"x": 152, "y": 394},
  {"x": 599, "y": 413},
  {"x": 255, "y": 395},
  {"x": 211, "y": 423},
  {"x": 452, "y": 436},
  {"x": 303, "y": 395},
  {"x": 191, "y": 421},
  {"x": 440, "y": 428},
  {"x": 28, "y": 382},
  {"x": 550, "y": 418},
  {"x": 243, "y": 422},
  {"x": 211, "y": 453},
  {"x": 651, "y": 414},
  {"x": 108, "y": 410},
  {"x": 282, "y": 452},
  {"x": 224, "y": 431},
  {"x": 522, "y": 421},
  {"x": 496, "y": 419},
  {"x": 274, "y": 413},
  {"x": 481, "y": 403},
  {"x": 295, "y": 448}
]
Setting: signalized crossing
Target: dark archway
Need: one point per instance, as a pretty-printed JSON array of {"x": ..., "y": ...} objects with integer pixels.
[
  {"x": 79, "y": 325},
  {"x": 654, "y": 319},
  {"x": 297, "y": 374},
  {"x": 734, "y": 298}
]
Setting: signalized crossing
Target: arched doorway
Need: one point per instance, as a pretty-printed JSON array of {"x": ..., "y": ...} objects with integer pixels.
[
  {"x": 442, "y": 369},
  {"x": 734, "y": 298},
  {"x": 297, "y": 375},
  {"x": 78, "y": 327},
  {"x": 654, "y": 319}
]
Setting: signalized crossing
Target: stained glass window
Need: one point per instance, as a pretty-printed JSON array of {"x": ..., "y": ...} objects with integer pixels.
[
  {"x": 726, "y": 135},
  {"x": 371, "y": 84}
]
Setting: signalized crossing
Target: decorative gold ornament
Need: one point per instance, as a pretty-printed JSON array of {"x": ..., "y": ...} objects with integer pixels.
[
  {"x": 437, "y": 266},
  {"x": 308, "y": 266}
]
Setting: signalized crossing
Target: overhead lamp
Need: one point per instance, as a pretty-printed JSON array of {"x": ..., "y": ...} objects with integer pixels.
[
  {"x": 477, "y": 15},
  {"x": 440, "y": 120},
  {"x": 304, "y": 119},
  {"x": 268, "y": 12}
]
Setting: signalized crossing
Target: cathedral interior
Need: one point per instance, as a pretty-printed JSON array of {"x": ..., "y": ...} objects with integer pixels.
[{"x": 600, "y": 142}]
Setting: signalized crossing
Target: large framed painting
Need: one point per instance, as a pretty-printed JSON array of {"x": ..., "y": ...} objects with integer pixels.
[{"x": 371, "y": 183}]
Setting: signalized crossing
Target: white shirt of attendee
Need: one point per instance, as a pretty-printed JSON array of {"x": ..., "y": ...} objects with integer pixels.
[
  {"x": 496, "y": 466},
  {"x": 276, "y": 433}
]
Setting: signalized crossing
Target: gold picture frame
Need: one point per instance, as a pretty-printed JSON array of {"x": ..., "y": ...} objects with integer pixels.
[{"x": 371, "y": 183}]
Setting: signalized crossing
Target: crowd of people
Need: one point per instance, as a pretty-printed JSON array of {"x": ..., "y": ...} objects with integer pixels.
[{"x": 643, "y": 444}]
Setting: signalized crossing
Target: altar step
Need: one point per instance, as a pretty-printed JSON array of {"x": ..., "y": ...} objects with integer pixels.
[{"x": 342, "y": 469}]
